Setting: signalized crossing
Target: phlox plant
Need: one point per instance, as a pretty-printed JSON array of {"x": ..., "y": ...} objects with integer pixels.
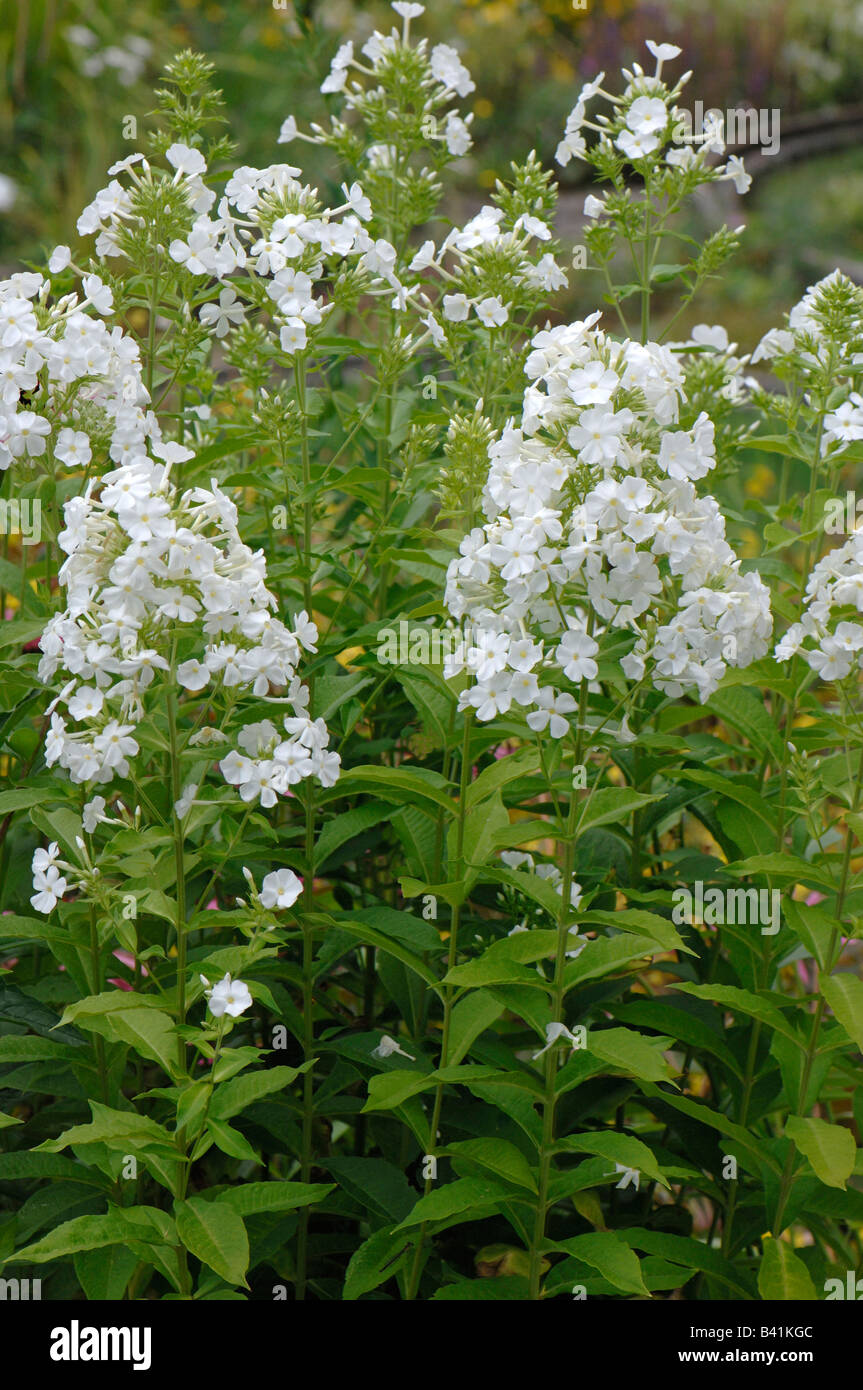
[{"x": 330, "y": 976}]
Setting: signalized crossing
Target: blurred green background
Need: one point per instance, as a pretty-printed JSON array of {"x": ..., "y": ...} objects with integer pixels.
[{"x": 74, "y": 71}]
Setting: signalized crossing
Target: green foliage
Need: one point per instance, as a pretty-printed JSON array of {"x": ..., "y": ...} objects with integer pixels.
[{"x": 511, "y": 1065}]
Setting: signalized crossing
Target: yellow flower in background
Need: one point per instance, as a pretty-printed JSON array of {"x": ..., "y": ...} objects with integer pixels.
[{"x": 761, "y": 481}]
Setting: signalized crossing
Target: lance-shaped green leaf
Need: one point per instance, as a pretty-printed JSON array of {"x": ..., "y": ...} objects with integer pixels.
[
  {"x": 111, "y": 1001},
  {"x": 690, "y": 1254},
  {"x": 782, "y": 1275},
  {"x": 150, "y": 1031},
  {"x": 617, "y": 1148},
  {"x": 497, "y": 1157},
  {"x": 745, "y": 1002},
  {"x": 480, "y": 832},
  {"x": 640, "y": 923},
  {"x": 251, "y": 1197},
  {"x": 607, "y": 1253},
  {"x": 378, "y": 1259},
  {"x": 611, "y": 806},
  {"x": 844, "y": 994},
  {"x": 115, "y": 1128},
  {"x": 830, "y": 1148},
  {"x": 471, "y": 1016},
  {"x": 214, "y": 1233},
  {"x": 605, "y": 955},
  {"x": 413, "y": 786},
  {"x": 231, "y": 1097},
  {"x": 95, "y": 1232},
  {"x": 446, "y": 1205},
  {"x": 714, "y": 1119},
  {"x": 628, "y": 1051},
  {"x": 501, "y": 772}
]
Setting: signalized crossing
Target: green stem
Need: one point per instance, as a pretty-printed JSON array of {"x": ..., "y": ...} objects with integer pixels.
[
  {"x": 179, "y": 859},
  {"x": 306, "y": 1152},
  {"x": 96, "y": 980},
  {"x": 558, "y": 997},
  {"x": 306, "y": 466},
  {"x": 448, "y": 993}
]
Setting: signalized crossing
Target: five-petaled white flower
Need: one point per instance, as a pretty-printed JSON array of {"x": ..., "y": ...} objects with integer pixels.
[{"x": 228, "y": 997}]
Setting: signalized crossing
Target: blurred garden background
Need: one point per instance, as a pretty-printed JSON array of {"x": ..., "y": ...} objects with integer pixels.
[{"x": 74, "y": 71}]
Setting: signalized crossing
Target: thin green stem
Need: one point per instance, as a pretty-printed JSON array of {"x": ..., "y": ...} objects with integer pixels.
[
  {"x": 306, "y": 1153},
  {"x": 448, "y": 992}
]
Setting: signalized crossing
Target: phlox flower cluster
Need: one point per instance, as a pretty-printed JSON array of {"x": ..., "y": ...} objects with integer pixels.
[
  {"x": 827, "y": 637},
  {"x": 71, "y": 391},
  {"x": 825, "y": 329},
  {"x": 486, "y": 267},
  {"x": 594, "y": 524},
  {"x": 438, "y": 75},
  {"x": 647, "y": 129},
  {"x": 269, "y": 231},
  {"x": 160, "y": 587}
]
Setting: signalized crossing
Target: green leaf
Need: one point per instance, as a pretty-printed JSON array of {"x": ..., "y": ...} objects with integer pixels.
[
  {"x": 696, "y": 1110},
  {"x": 743, "y": 708},
  {"x": 784, "y": 866},
  {"x": 740, "y": 792},
  {"x": 844, "y": 994},
  {"x": 475, "y": 1195},
  {"x": 691, "y": 1254},
  {"x": 745, "y": 1002},
  {"x": 345, "y": 827},
  {"x": 813, "y": 926},
  {"x": 214, "y": 1233},
  {"x": 109, "y": 1002},
  {"x": 612, "y": 805},
  {"x": 470, "y": 1018},
  {"x": 392, "y": 1088},
  {"x": 430, "y": 703},
  {"x": 16, "y": 1047},
  {"x": 537, "y": 889},
  {"x": 366, "y": 927},
  {"x": 150, "y": 1032},
  {"x": 37, "y": 1165},
  {"x": 378, "y": 1259},
  {"x": 630, "y": 1052},
  {"x": 253, "y": 1197},
  {"x": 379, "y": 1186},
  {"x": 104, "y": 1274},
  {"x": 18, "y": 1007},
  {"x": 410, "y": 785},
  {"x": 233, "y": 1096},
  {"x": 493, "y": 968},
  {"x": 782, "y": 1275},
  {"x": 605, "y": 955},
  {"x": 607, "y": 1253},
  {"x": 228, "y": 1139},
  {"x": 639, "y": 922},
  {"x": 830, "y": 1148},
  {"x": 93, "y": 1233},
  {"x": 119, "y": 1129},
  {"x": 617, "y": 1148},
  {"x": 480, "y": 832},
  {"x": 14, "y": 928},
  {"x": 19, "y": 798},
  {"x": 501, "y": 772},
  {"x": 497, "y": 1157}
]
